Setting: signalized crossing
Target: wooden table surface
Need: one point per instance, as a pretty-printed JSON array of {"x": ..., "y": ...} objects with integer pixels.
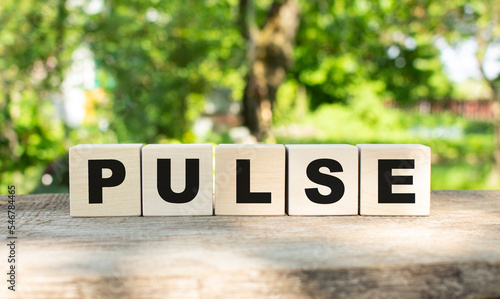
[{"x": 455, "y": 252}]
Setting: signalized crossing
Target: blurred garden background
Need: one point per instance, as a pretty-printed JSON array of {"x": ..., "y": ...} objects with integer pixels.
[{"x": 229, "y": 71}]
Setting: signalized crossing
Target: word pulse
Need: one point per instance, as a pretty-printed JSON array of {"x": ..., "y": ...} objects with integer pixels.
[{"x": 257, "y": 179}]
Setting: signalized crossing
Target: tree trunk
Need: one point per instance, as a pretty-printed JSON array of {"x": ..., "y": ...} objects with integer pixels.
[
  {"x": 495, "y": 172},
  {"x": 483, "y": 45},
  {"x": 269, "y": 55}
]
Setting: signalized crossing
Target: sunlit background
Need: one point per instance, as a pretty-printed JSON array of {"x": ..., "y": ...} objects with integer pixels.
[{"x": 232, "y": 71}]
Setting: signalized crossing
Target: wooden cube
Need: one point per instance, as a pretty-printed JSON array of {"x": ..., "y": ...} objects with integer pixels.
[
  {"x": 249, "y": 179},
  {"x": 322, "y": 179},
  {"x": 395, "y": 179},
  {"x": 105, "y": 180},
  {"x": 177, "y": 179}
]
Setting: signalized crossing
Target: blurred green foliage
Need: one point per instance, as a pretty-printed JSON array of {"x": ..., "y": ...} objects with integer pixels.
[
  {"x": 164, "y": 57},
  {"x": 343, "y": 44},
  {"x": 157, "y": 61},
  {"x": 35, "y": 47}
]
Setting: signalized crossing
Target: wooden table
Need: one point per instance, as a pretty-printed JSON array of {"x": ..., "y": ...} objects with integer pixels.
[{"x": 453, "y": 253}]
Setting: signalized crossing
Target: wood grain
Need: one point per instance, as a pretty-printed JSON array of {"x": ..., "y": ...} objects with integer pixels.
[
  {"x": 455, "y": 252},
  {"x": 299, "y": 157},
  {"x": 369, "y": 181},
  {"x": 122, "y": 200},
  {"x": 152, "y": 203},
  {"x": 267, "y": 175}
]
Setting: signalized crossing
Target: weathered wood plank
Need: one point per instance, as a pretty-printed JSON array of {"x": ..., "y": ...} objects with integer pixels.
[{"x": 453, "y": 252}]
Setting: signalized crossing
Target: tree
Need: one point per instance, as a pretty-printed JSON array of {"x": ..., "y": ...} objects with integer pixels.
[
  {"x": 36, "y": 43},
  {"x": 479, "y": 21},
  {"x": 269, "y": 54},
  {"x": 157, "y": 61},
  {"x": 342, "y": 45},
  {"x": 153, "y": 59}
]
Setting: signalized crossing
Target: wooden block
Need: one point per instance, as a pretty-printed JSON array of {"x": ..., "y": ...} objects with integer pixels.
[
  {"x": 395, "y": 179},
  {"x": 322, "y": 179},
  {"x": 177, "y": 179},
  {"x": 249, "y": 179},
  {"x": 105, "y": 180}
]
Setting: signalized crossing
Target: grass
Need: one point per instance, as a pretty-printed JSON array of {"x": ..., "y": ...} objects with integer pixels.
[{"x": 460, "y": 175}]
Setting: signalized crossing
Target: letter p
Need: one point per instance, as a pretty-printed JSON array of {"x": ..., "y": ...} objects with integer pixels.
[{"x": 97, "y": 182}]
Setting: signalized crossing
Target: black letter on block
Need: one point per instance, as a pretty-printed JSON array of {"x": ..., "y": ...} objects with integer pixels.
[
  {"x": 243, "y": 194},
  {"x": 97, "y": 182},
  {"x": 386, "y": 180},
  {"x": 317, "y": 177},
  {"x": 164, "y": 182}
]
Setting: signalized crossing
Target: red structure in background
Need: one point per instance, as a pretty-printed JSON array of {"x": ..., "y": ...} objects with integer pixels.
[{"x": 473, "y": 109}]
